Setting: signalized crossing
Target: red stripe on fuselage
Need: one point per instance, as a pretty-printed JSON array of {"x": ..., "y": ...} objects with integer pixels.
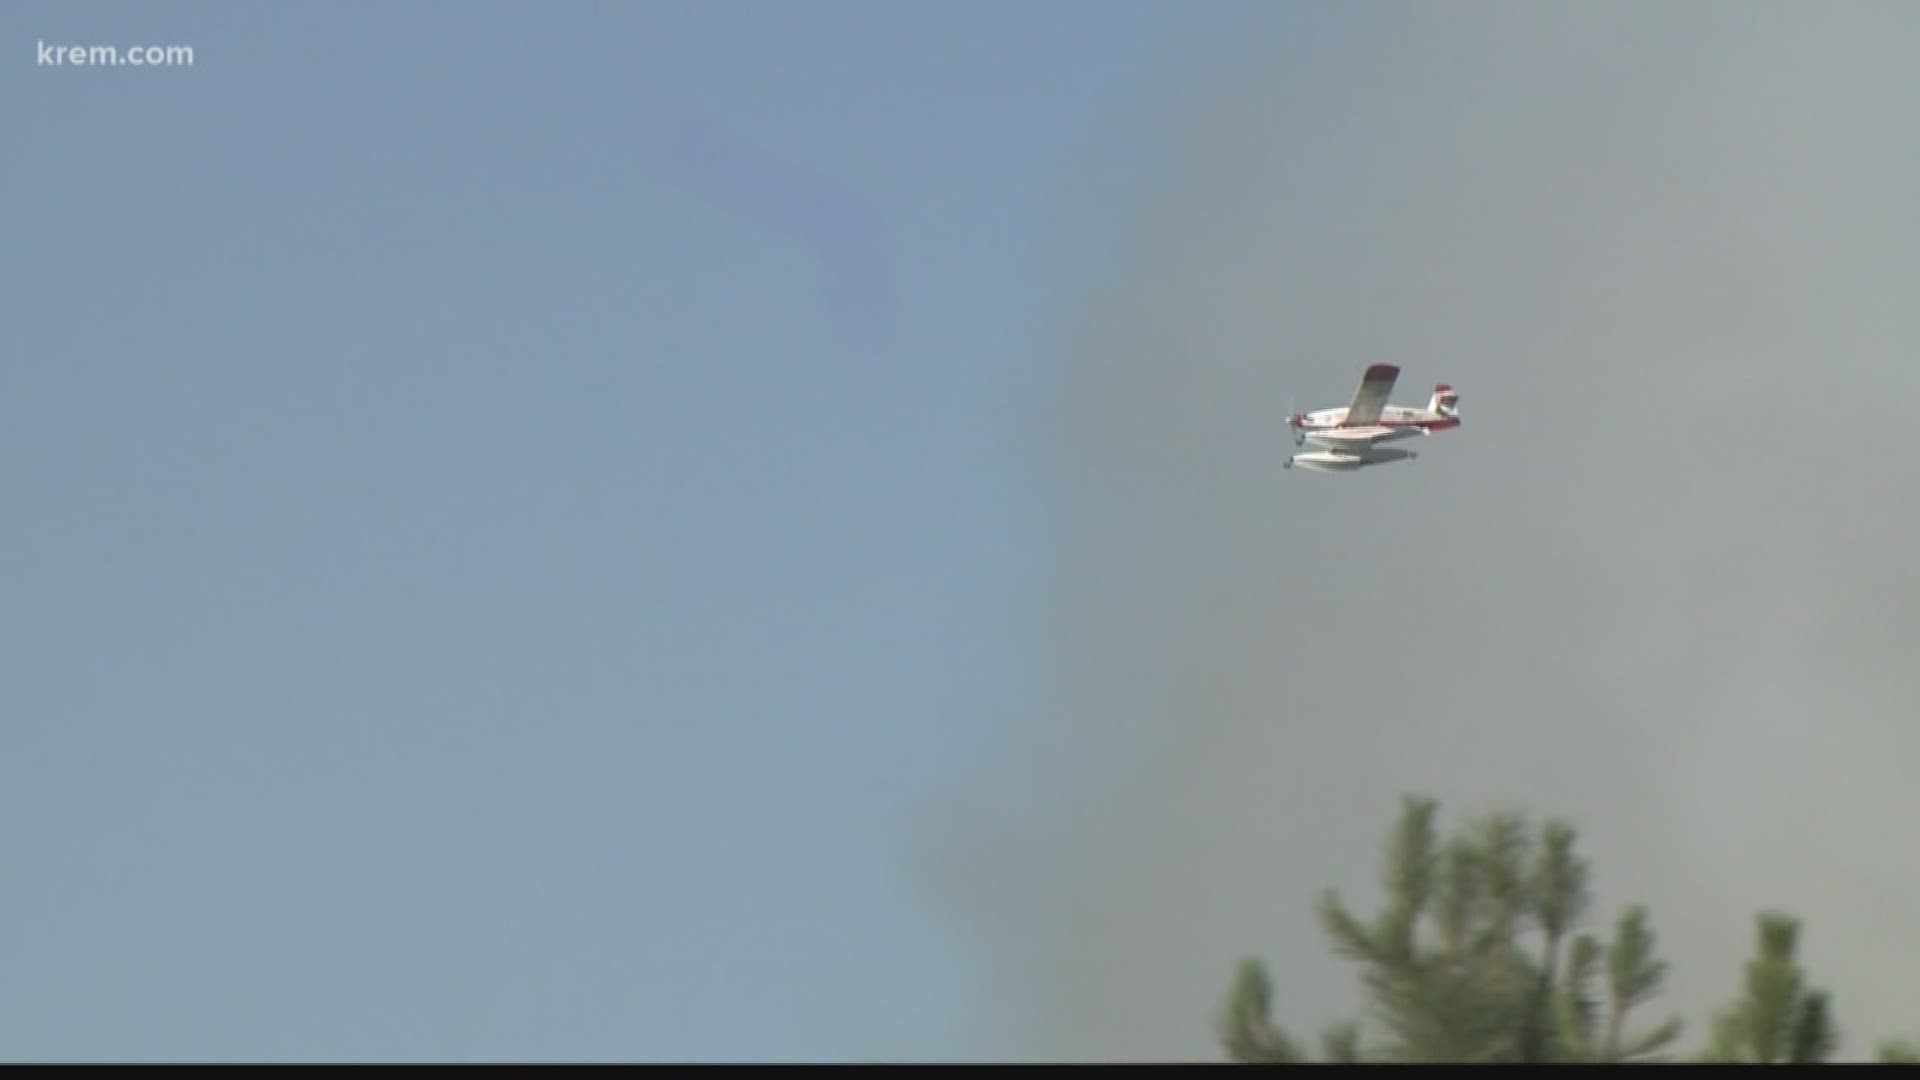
[{"x": 1436, "y": 425}]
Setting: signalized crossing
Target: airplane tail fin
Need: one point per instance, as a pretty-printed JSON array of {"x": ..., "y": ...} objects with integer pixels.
[{"x": 1444, "y": 401}]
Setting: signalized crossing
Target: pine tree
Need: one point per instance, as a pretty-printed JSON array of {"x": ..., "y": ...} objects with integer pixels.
[
  {"x": 1897, "y": 1052},
  {"x": 1466, "y": 964},
  {"x": 1778, "y": 1018},
  {"x": 1477, "y": 957},
  {"x": 1246, "y": 1020},
  {"x": 1596, "y": 1031}
]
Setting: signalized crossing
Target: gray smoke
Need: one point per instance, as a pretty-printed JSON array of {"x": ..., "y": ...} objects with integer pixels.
[{"x": 1661, "y": 582}]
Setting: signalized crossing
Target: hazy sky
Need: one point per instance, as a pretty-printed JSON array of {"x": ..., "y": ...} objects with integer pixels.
[
  {"x": 507, "y": 504},
  {"x": 753, "y": 530},
  {"x": 1659, "y": 583}
]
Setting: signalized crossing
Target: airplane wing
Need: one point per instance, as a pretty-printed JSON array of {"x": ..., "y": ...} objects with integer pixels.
[{"x": 1375, "y": 384}]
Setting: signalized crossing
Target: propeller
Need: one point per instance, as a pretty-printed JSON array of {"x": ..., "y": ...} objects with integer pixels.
[{"x": 1299, "y": 436}]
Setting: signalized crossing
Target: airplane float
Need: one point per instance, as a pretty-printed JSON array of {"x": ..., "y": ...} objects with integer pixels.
[{"x": 1351, "y": 436}]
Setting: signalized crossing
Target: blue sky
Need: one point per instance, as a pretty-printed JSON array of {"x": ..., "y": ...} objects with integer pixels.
[{"x": 489, "y": 577}]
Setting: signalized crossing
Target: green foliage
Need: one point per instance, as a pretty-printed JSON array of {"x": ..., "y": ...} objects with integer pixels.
[
  {"x": 1469, "y": 959},
  {"x": 1595, "y": 1029},
  {"x": 1897, "y": 1052},
  {"x": 1778, "y": 1018},
  {"x": 1340, "y": 1045},
  {"x": 1246, "y": 1024},
  {"x": 1477, "y": 956},
  {"x": 1250, "y": 1036}
]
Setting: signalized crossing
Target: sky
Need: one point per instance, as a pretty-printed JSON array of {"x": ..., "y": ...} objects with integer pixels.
[
  {"x": 753, "y": 532},
  {"x": 507, "y": 509}
]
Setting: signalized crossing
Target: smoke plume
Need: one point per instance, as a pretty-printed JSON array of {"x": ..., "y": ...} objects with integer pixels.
[{"x": 1659, "y": 583}]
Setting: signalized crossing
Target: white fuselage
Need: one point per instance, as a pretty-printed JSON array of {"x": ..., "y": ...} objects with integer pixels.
[{"x": 1326, "y": 427}]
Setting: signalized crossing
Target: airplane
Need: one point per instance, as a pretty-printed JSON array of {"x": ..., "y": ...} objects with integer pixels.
[{"x": 1352, "y": 435}]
